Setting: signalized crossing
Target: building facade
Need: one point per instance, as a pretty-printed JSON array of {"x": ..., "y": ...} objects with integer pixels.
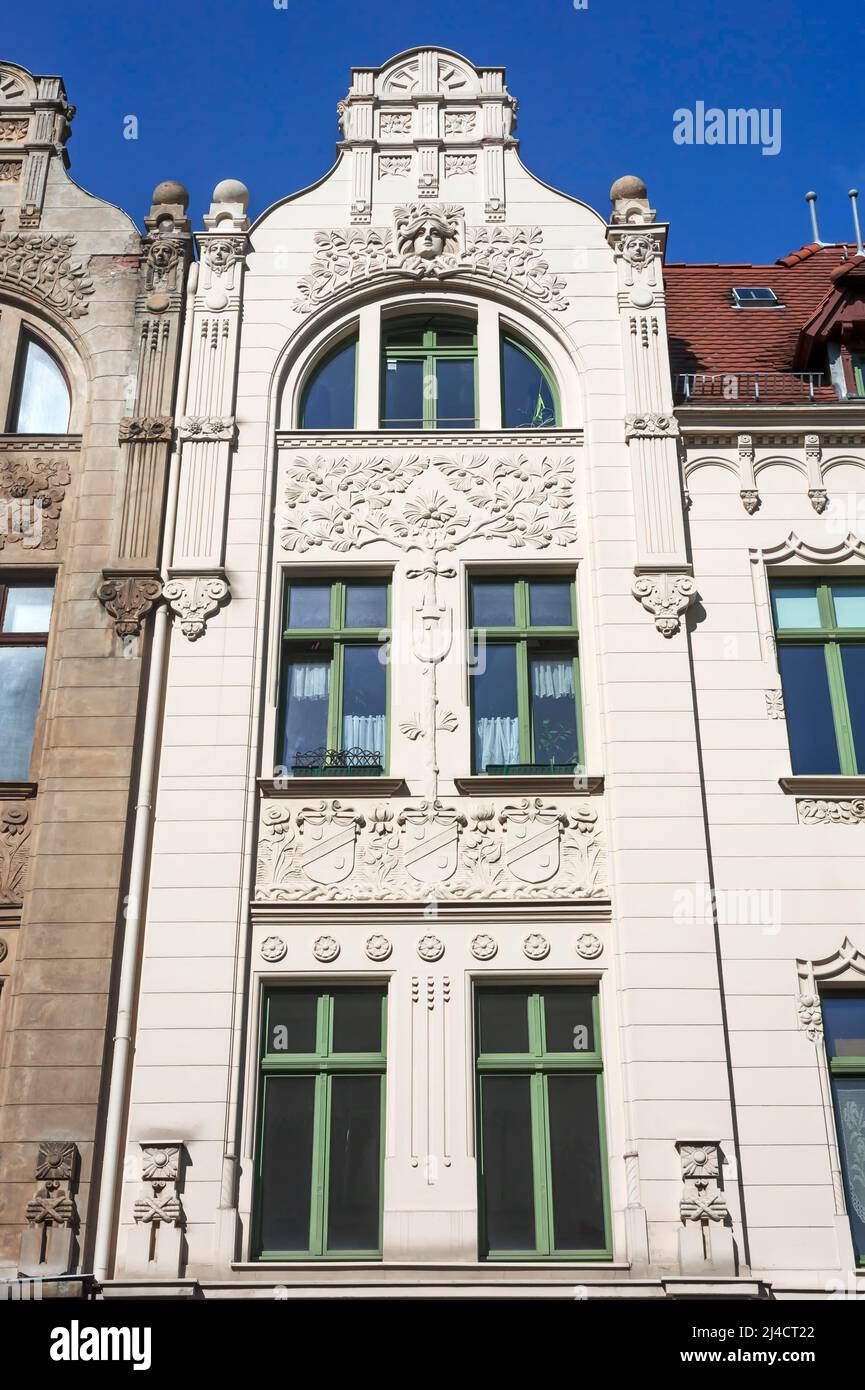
[{"x": 492, "y": 872}]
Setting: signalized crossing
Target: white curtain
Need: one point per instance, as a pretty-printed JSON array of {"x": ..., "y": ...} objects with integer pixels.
[
  {"x": 309, "y": 680},
  {"x": 552, "y": 679},
  {"x": 499, "y": 740},
  {"x": 364, "y": 731}
]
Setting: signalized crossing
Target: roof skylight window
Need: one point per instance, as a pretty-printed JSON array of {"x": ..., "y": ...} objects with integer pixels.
[{"x": 755, "y": 297}]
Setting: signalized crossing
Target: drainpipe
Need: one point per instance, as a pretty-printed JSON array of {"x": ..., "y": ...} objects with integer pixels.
[{"x": 127, "y": 991}]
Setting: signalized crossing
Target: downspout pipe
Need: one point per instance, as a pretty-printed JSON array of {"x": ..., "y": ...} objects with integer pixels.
[{"x": 127, "y": 990}]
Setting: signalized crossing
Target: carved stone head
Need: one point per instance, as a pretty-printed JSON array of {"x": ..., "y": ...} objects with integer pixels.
[{"x": 427, "y": 231}]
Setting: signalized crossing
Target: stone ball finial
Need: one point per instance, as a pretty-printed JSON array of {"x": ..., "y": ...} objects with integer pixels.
[
  {"x": 231, "y": 191},
  {"x": 169, "y": 194},
  {"x": 628, "y": 186}
]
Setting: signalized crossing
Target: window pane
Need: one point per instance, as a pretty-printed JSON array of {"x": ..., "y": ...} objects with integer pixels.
[
  {"x": 357, "y": 1020},
  {"x": 28, "y": 609},
  {"x": 528, "y": 399},
  {"x": 309, "y": 605},
  {"x": 306, "y": 707},
  {"x": 291, "y": 1021},
  {"x": 366, "y": 604},
  {"x": 508, "y": 1181},
  {"x": 849, "y": 604},
  {"x": 20, "y": 683},
  {"x": 844, "y": 1024},
  {"x": 329, "y": 400},
  {"x": 364, "y": 699},
  {"x": 853, "y": 662},
  {"x": 455, "y": 337},
  {"x": 575, "y": 1162},
  {"x": 355, "y": 1163},
  {"x": 455, "y": 402},
  {"x": 850, "y": 1118},
  {"x": 554, "y": 709},
  {"x": 503, "y": 1020},
  {"x": 493, "y": 603},
  {"x": 550, "y": 603},
  {"x": 796, "y": 606},
  {"x": 411, "y": 336},
  {"x": 403, "y": 392},
  {"x": 286, "y": 1162},
  {"x": 810, "y": 728},
  {"x": 43, "y": 405},
  {"x": 496, "y": 719},
  {"x": 568, "y": 1021}
]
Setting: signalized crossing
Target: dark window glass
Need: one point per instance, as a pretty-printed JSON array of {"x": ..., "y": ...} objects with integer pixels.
[
  {"x": 810, "y": 725},
  {"x": 496, "y": 714},
  {"x": 291, "y": 1021},
  {"x": 568, "y": 1020},
  {"x": 328, "y": 402},
  {"x": 550, "y": 603},
  {"x": 503, "y": 1021},
  {"x": 493, "y": 603},
  {"x": 528, "y": 398},
  {"x": 575, "y": 1163},
  {"x": 43, "y": 399},
  {"x": 357, "y": 1020},
  {"x": 455, "y": 397},
  {"x": 844, "y": 1025},
  {"x": 306, "y": 703},
  {"x": 355, "y": 1163},
  {"x": 554, "y": 709},
  {"x": 849, "y": 1096},
  {"x": 403, "y": 393},
  {"x": 509, "y": 1199},
  {"x": 853, "y": 662},
  {"x": 366, "y": 604},
  {"x": 364, "y": 699},
  {"x": 286, "y": 1162},
  {"x": 309, "y": 605}
]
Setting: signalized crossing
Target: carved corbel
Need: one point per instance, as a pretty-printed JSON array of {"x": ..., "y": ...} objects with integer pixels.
[
  {"x": 706, "y": 1237},
  {"x": 129, "y": 598},
  {"x": 155, "y": 1246},
  {"x": 667, "y": 597},
  {"x": 194, "y": 599},
  {"x": 47, "y": 1244}
]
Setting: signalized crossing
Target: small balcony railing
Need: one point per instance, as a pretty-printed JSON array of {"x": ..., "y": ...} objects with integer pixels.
[
  {"x": 736, "y": 387},
  {"x": 339, "y": 762}
]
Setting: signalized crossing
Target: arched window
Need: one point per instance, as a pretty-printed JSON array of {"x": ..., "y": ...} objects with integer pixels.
[
  {"x": 42, "y": 403},
  {"x": 429, "y": 373},
  {"x": 528, "y": 395},
  {"x": 328, "y": 398}
]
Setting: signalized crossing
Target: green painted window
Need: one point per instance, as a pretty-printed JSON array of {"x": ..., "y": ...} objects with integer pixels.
[
  {"x": 820, "y": 628},
  {"x": 328, "y": 401},
  {"x": 429, "y": 374},
  {"x": 844, "y": 1030},
  {"x": 542, "y": 1155},
  {"x": 321, "y": 1123},
  {"x": 529, "y": 398},
  {"x": 335, "y": 674},
  {"x": 525, "y": 679},
  {"x": 859, "y": 372}
]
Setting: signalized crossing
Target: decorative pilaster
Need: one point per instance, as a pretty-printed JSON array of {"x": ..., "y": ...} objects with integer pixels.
[
  {"x": 131, "y": 582},
  {"x": 48, "y": 1242},
  {"x": 706, "y": 1238},
  {"x": 663, "y": 584},
  {"x": 35, "y": 117},
  {"x": 154, "y": 1246}
]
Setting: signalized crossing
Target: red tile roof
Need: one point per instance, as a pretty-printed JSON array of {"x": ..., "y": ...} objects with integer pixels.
[{"x": 708, "y": 335}]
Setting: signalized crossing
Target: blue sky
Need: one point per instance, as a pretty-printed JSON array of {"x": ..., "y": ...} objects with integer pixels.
[{"x": 242, "y": 89}]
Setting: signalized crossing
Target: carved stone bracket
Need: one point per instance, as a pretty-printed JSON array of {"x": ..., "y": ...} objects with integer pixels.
[
  {"x": 155, "y": 1245},
  {"x": 42, "y": 265},
  {"x": 129, "y": 598},
  {"x": 52, "y": 1218},
  {"x": 667, "y": 597},
  {"x": 14, "y": 837},
  {"x": 651, "y": 425},
  {"x": 824, "y": 812},
  {"x": 145, "y": 429},
  {"x": 194, "y": 599},
  {"x": 706, "y": 1237},
  {"x": 196, "y": 427}
]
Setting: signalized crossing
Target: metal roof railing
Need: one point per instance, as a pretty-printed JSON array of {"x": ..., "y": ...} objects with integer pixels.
[{"x": 747, "y": 386}]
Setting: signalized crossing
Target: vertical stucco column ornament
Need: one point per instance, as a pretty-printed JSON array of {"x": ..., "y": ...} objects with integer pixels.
[
  {"x": 154, "y": 1246},
  {"x": 706, "y": 1238},
  {"x": 197, "y": 586},
  {"x": 636, "y": 1221},
  {"x": 663, "y": 583},
  {"x": 131, "y": 582},
  {"x": 48, "y": 1242},
  {"x": 431, "y": 641}
]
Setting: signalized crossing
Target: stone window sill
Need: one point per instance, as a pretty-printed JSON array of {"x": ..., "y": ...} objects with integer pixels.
[
  {"x": 533, "y": 784},
  {"x": 17, "y": 791},
  {"x": 823, "y": 787},
  {"x": 331, "y": 786}
]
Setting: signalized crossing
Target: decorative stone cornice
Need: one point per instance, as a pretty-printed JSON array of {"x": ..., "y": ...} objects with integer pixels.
[
  {"x": 129, "y": 598},
  {"x": 441, "y": 442},
  {"x": 194, "y": 599},
  {"x": 41, "y": 265},
  {"x": 140, "y": 429},
  {"x": 667, "y": 597}
]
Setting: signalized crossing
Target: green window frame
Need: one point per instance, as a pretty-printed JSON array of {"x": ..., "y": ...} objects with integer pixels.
[
  {"x": 430, "y": 350},
  {"x": 510, "y": 340},
  {"x": 540, "y": 1066},
  {"x": 323, "y": 1067},
  {"x": 334, "y": 639},
  {"x": 530, "y": 640},
  {"x": 859, "y": 372},
  {"x": 847, "y": 1078},
  {"x": 833, "y": 638}
]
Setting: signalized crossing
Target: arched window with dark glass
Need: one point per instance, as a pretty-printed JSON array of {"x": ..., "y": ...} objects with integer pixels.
[
  {"x": 329, "y": 395},
  {"x": 41, "y": 404},
  {"x": 529, "y": 399},
  {"x": 429, "y": 374}
]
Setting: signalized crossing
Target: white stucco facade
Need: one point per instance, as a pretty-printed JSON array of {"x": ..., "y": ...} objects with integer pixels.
[{"x": 439, "y": 880}]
